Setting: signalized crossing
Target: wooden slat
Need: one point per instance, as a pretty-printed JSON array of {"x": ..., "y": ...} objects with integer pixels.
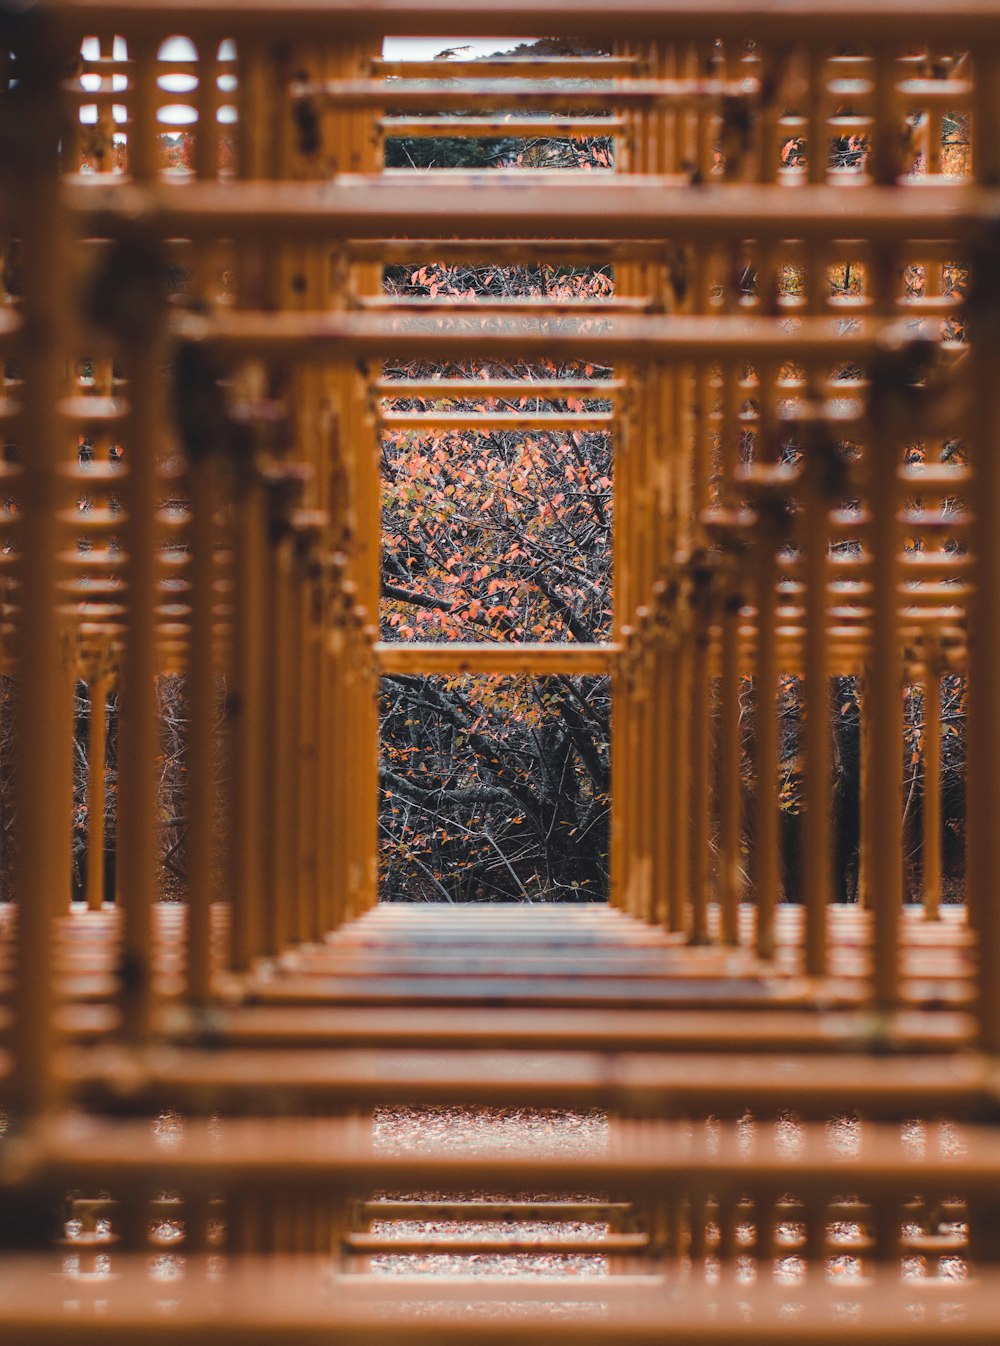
[
  {"x": 482, "y": 207},
  {"x": 293, "y": 1300},
  {"x": 541, "y": 389},
  {"x": 466, "y": 1246},
  {"x": 507, "y": 127},
  {"x": 409, "y": 94},
  {"x": 513, "y": 67},
  {"x": 659, "y": 1159},
  {"x": 724, "y": 1084},
  {"x": 335, "y": 19},
  {"x": 320, "y": 336},
  {"x": 502, "y": 657}
]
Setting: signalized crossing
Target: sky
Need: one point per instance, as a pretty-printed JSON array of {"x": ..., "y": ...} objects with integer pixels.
[{"x": 425, "y": 48}]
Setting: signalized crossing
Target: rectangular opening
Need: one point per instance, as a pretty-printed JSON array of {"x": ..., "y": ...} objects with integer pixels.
[
  {"x": 496, "y": 516},
  {"x": 494, "y": 788}
]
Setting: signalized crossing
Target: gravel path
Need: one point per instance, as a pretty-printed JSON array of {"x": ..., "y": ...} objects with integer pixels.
[
  {"x": 409, "y": 1130},
  {"x": 560, "y": 1132}
]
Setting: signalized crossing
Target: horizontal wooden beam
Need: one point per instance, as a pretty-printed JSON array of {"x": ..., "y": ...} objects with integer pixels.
[
  {"x": 259, "y": 1300},
  {"x": 514, "y": 67},
  {"x": 482, "y": 421},
  {"x": 498, "y": 127},
  {"x": 494, "y": 252},
  {"x": 412, "y": 92},
  {"x": 724, "y": 1084},
  {"x": 541, "y": 389},
  {"x": 439, "y": 303},
  {"x": 336, "y": 1156},
  {"x": 576, "y": 205},
  {"x": 342, "y": 19},
  {"x": 445, "y": 94},
  {"x": 595, "y": 252},
  {"x": 535, "y": 659},
  {"x": 492, "y": 1212},
  {"x": 323, "y": 336}
]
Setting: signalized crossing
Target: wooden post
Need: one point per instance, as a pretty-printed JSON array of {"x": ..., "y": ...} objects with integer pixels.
[
  {"x": 43, "y": 823},
  {"x": 766, "y": 867},
  {"x": 699, "y": 872},
  {"x": 816, "y": 859},
  {"x": 143, "y": 358},
  {"x": 885, "y": 698},
  {"x": 97, "y": 735},
  {"x": 202, "y": 713},
  {"x": 931, "y": 848}
]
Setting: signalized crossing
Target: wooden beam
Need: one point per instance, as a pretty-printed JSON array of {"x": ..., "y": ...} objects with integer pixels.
[
  {"x": 537, "y": 660},
  {"x": 574, "y": 204},
  {"x": 339, "y": 19}
]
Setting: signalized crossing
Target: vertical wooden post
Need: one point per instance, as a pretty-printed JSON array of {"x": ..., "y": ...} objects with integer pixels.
[
  {"x": 931, "y": 847},
  {"x": 885, "y": 697},
  {"x": 865, "y": 793},
  {"x": 983, "y": 731},
  {"x": 698, "y": 858},
  {"x": 42, "y": 835},
  {"x": 816, "y": 860},
  {"x": 337, "y": 743},
  {"x": 622, "y": 710},
  {"x": 97, "y": 735},
  {"x": 249, "y": 718},
  {"x": 283, "y": 712},
  {"x": 143, "y": 359},
  {"x": 730, "y": 785},
  {"x": 766, "y": 877},
  {"x": 664, "y": 709},
  {"x": 202, "y": 711}
]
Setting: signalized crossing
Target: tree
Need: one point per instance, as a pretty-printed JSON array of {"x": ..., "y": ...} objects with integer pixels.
[{"x": 496, "y": 787}]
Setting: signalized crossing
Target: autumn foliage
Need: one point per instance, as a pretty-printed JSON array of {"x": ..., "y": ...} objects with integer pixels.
[{"x": 496, "y": 787}]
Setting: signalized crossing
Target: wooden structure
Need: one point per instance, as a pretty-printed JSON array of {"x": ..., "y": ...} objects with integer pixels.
[{"x": 807, "y": 486}]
